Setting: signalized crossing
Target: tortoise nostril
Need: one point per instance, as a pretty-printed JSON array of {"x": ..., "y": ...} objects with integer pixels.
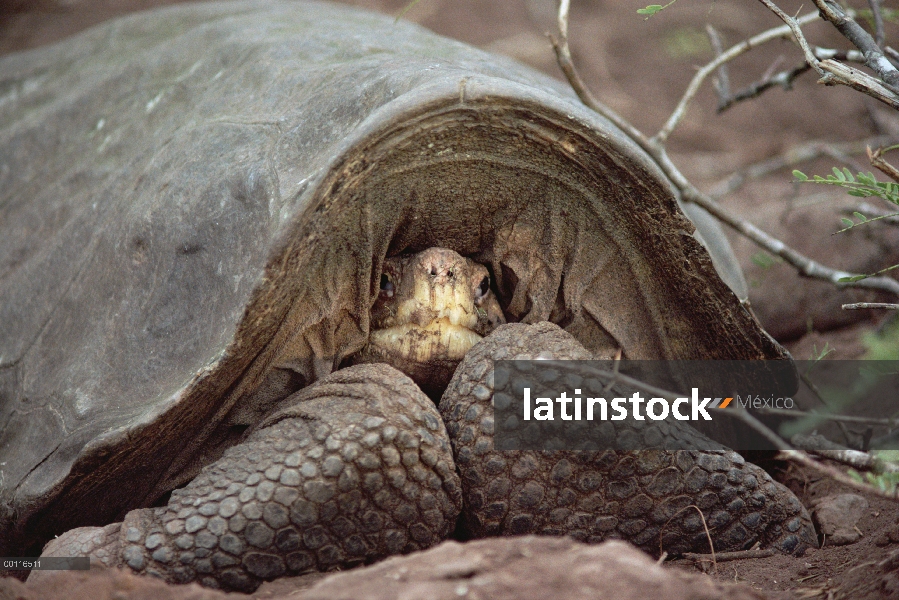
[
  {"x": 449, "y": 273},
  {"x": 433, "y": 270}
]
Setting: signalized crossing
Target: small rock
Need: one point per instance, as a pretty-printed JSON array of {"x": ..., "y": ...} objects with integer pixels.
[
  {"x": 888, "y": 536},
  {"x": 836, "y": 517}
]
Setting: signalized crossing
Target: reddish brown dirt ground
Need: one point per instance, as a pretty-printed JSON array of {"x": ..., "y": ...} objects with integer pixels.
[{"x": 640, "y": 68}]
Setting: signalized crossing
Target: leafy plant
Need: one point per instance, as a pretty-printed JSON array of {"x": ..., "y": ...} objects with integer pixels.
[
  {"x": 816, "y": 355},
  {"x": 884, "y": 482},
  {"x": 883, "y": 345},
  {"x": 861, "y": 185}
]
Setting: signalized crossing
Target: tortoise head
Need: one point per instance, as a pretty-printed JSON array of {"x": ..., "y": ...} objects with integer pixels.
[{"x": 432, "y": 307}]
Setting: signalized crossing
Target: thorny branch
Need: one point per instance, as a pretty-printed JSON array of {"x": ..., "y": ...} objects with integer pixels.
[
  {"x": 852, "y": 31},
  {"x": 834, "y": 72},
  {"x": 656, "y": 149},
  {"x": 786, "y": 77}
]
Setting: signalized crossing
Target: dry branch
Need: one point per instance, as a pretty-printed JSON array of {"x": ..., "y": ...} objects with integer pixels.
[
  {"x": 833, "y": 72},
  {"x": 866, "y": 305},
  {"x": 852, "y": 31}
]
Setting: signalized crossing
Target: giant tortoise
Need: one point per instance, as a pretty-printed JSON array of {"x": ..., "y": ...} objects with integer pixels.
[{"x": 207, "y": 208}]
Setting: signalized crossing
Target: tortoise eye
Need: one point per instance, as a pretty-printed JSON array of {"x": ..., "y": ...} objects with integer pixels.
[
  {"x": 387, "y": 287},
  {"x": 483, "y": 288}
]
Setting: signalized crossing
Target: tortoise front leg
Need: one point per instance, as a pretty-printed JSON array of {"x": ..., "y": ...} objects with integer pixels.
[
  {"x": 638, "y": 495},
  {"x": 359, "y": 467}
]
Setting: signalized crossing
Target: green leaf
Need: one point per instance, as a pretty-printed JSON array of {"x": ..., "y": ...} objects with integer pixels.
[
  {"x": 848, "y": 175},
  {"x": 763, "y": 259},
  {"x": 839, "y": 174},
  {"x": 650, "y": 10},
  {"x": 867, "y": 178},
  {"x": 847, "y": 222},
  {"x": 860, "y": 193},
  {"x": 653, "y": 9},
  {"x": 852, "y": 279},
  {"x": 800, "y": 175}
]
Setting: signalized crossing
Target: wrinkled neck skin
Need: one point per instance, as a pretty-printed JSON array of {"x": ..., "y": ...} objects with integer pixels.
[{"x": 431, "y": 309}]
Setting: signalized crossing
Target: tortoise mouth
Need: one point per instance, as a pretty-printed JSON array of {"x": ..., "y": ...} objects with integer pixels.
[
  {"x": 428, "y": 354},
  {"x": 439, "y": 340}
]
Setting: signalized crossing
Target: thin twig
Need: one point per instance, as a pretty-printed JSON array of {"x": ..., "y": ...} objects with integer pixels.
[
  {"x": 726, "y": 556},
  {"x": 786, "y": 78},
  {"x": 872, "y": 213},
  {"x": 820, "y": 445},
  {"x": 849, "y": 55},
  {"x": 563, "y": 57},
  {"x": 704, "y": 526},
  {"x": 855, "y": 33},
  {"x": 722, "y": 80},
  {"x": 835, "y": 474},
  {"x": 743, "y": 415},
  {"x": 563, "y": 20},
  {"x": 783, "y": 79},
  {"x": 877, "y": 161},
  {"x": 878, "y": 22},
  {"x": 893, "y": 54},
  {"x": 816, "y": 394},
  {"x": 678, "y": 114},
  {"x": 795, "y": 27},
  {"x": 866, "y": 305}
]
